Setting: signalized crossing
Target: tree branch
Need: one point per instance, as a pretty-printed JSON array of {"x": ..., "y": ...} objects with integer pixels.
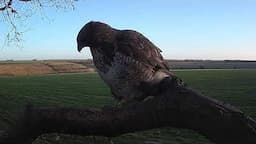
[
  {"x": 12, "y": 14},
  {"x": 8, "y": 5},
  {"x": 178, "y": 107}
]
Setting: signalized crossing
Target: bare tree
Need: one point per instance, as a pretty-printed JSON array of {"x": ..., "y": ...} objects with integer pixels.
[{"x": 15, "y": 14}]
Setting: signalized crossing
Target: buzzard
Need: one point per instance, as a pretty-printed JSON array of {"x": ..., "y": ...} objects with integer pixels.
[{"x": 128, "y": 62}]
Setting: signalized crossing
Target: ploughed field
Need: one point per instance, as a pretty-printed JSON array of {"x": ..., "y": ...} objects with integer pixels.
[
  {"x": 41, "y": 67},
  {"x": 86, "y": 90},
  {"x": 27, "y": 68}
]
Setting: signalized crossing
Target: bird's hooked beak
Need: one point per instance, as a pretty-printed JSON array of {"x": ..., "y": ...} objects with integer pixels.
[{"x": 80, "y": 46}]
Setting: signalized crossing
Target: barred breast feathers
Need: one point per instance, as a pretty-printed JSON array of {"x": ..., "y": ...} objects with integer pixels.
[{"x": 139, "y": 70}]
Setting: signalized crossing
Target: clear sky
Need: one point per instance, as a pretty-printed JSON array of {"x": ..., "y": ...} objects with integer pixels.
[{"x": 183, "y": 29}]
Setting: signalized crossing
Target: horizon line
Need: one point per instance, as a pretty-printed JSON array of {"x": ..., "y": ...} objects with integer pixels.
[{"x": 241, "y": 60}]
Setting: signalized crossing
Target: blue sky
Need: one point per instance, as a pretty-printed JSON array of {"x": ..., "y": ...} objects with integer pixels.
[{"x": 183, "y": 29}]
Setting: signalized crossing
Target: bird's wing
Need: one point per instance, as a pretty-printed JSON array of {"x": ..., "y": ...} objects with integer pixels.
[{"x": 134, "y": 45}]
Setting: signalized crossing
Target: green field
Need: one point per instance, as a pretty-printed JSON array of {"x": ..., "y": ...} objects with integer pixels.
[{"x": 237, "y": 87}]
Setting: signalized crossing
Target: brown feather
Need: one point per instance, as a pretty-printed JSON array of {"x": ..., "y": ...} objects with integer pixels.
[{"x": 128, "y": 62}]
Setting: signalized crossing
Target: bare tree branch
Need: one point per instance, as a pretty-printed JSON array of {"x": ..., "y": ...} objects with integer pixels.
[
  {"x": 178, "y": 107},
  {"x": 13, "y": 12}
]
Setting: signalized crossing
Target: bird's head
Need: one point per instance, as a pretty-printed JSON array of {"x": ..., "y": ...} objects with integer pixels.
[{"x": 94, "y": 33}]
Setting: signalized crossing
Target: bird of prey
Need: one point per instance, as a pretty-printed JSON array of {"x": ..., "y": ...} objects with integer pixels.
[{"x": 128, "y": 62}]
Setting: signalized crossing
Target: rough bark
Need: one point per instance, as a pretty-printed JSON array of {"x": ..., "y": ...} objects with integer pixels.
[{"x": 178, "y": 107}]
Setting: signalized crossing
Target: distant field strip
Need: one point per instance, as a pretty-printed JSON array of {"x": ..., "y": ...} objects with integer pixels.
[
  {"x": 28, "y": 68},
  {"x": 87, "y": 90}
]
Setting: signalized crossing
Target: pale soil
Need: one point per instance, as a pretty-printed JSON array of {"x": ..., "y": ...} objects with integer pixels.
[{"x": 41, "y": 68}]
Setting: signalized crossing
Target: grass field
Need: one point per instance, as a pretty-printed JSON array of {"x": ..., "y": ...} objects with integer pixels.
[{"x": 237, "y": 87}]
